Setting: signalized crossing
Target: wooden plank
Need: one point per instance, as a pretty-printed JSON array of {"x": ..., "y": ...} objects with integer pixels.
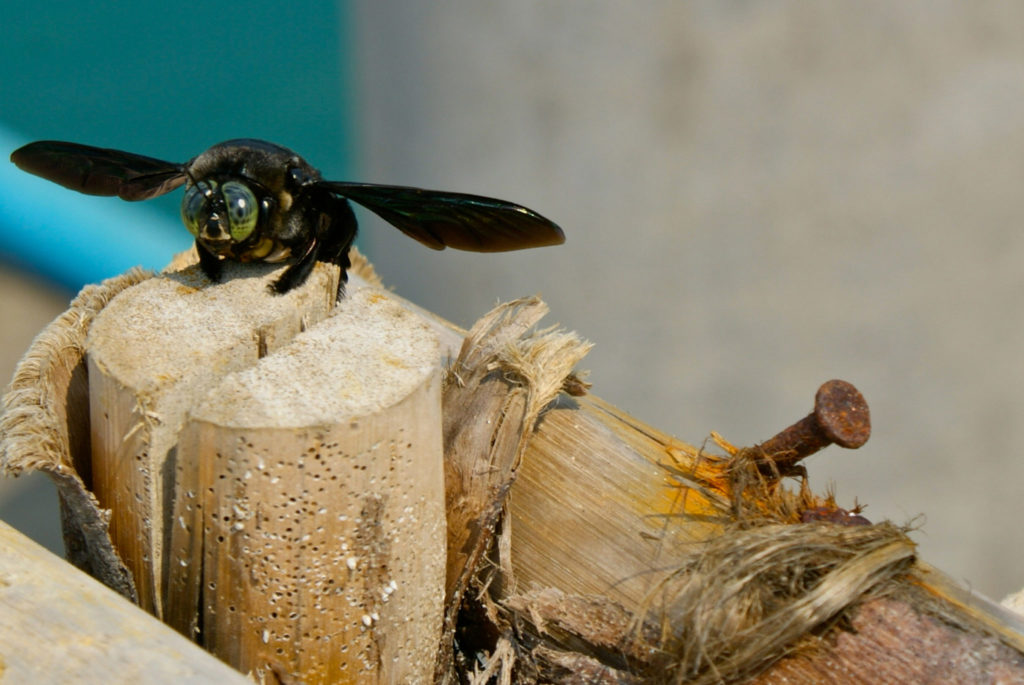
[{"x": 58, "y": 625}]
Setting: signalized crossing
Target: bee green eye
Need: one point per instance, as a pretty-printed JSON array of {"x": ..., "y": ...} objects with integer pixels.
[
  {"x": 194, "y": 203},
  {"x": 242, "y": 209}
]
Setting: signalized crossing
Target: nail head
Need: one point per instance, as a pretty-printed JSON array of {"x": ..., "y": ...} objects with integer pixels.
[{"x": 843, "y": 414}]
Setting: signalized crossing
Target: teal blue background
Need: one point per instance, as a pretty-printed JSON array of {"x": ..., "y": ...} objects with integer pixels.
[{"x": 166, "y": 80}]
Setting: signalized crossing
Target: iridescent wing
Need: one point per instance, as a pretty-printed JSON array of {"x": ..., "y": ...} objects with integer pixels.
[
  {"x": 99, "y": 171},
  {"x": 441, "y": 219}
]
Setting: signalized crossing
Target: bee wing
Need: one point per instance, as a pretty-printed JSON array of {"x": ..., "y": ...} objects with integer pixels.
[
  {"x": 440, "y": 219},
  {"x": 98, "y": 171}
]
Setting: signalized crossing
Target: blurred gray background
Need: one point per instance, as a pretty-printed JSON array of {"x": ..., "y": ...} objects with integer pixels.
[{"x": 757, "y": 196}]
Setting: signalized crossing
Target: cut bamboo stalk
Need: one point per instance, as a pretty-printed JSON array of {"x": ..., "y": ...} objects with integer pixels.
[
  {"x": 152, "y": 351},
  {"x": 277, "y": 494},
  {"x": 309, "y": 506}
]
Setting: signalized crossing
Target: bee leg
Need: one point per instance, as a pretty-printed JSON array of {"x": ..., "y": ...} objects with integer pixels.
[
  {"x": 337, "y": 230},
  {"x": 337, "y": 253},
  {"x": 296, "y": 274},
  {"x": 209, "y": 263}
]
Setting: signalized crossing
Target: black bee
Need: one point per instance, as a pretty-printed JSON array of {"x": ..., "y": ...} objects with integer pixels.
[{"x": 250, "y": 200}]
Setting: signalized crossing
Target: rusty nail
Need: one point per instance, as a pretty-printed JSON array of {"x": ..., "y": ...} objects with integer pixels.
[
  {"x": 840, "y": 416},
  {"x": 834, "y": 514}
]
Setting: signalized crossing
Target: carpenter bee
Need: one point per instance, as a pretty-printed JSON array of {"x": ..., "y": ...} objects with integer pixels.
[{"x": 250, "y": 200}]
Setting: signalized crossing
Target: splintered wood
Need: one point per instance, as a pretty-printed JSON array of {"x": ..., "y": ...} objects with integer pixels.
[
  {"x": 276, "y": 485},
  {"x": 270, "y": 470}
]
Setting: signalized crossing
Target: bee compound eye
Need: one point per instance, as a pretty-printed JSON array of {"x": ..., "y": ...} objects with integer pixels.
[
  {"x": 194, "y": 204},
  {"x": 242, "y": 209}
]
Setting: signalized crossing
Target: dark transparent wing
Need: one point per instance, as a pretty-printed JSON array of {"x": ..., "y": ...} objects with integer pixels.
[
  {"x": 440, "y": 219},
  {"x": 98, "y": 171}
]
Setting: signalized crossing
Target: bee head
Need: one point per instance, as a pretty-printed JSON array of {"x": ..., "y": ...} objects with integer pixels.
[{"x": 222, "y": 214}]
